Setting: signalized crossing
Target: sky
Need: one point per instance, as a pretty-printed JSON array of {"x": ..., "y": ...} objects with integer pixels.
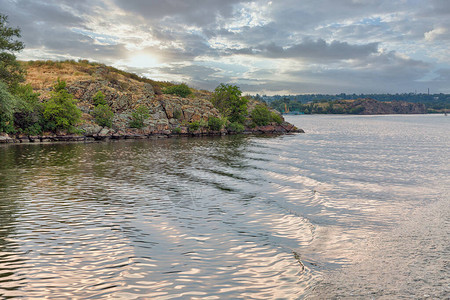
[{"x": 265, "y": 47}]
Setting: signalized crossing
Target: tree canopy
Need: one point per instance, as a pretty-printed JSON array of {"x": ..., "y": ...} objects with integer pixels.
[
  {"x": 227, "y": 99},
  {"x": 10, "y": 70}
]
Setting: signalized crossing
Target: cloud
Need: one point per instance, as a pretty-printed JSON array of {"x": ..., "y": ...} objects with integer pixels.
[
  {"x": 287, "y": 45},
  {"x": 199, "y": 13},
  {"x": 437, "y": 33},
  {"x": 313, "y": 50}
]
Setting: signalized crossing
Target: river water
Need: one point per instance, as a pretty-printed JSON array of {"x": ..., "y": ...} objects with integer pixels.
[{"x": 357, "y": 207}]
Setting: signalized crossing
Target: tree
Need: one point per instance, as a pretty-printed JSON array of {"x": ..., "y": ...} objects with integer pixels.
[
  {"x": 227, "y": 99},
  {"x": 7, "y": 104},
  {"x": 28, "y": 115},
  {"x": 10, "y": 70}
]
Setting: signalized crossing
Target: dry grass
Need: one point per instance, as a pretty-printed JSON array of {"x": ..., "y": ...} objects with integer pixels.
[{"x": 42, "y": 75}]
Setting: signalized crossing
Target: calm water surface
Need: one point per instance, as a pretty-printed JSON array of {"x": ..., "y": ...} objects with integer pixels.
[{"x": 358, "y": 207}]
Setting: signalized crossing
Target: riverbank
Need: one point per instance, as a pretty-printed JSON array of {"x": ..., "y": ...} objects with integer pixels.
[{"x": 285, "y": 128}]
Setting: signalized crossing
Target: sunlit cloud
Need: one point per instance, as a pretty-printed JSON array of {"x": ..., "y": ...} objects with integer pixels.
[{"x": 263, "y": 46}]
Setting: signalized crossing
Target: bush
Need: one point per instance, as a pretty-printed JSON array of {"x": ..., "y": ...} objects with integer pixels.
[
  {"x": 194, "y": 126},
  {"x": 181, "y": 90},
  {"x": 227, "y": 99},
  {"x": 28, "y": 117},
  {"x": 99, "y": 99},
  {"x": 276, "y": 117},
  {"x": 138, "y": 117},
  {"x": 176, "y": 130},
  {"x": 60, "y": 111},
  {"x": 236, "y": 127},
  {"x": 215, "y": 124},
  {"x": 261, "y": 115},
  {"x": 103, "y": 115},
  {"x": 177, "y": 114}
]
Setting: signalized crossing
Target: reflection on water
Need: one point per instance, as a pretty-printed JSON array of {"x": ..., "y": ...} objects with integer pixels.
[{"x": 231, "y": 217}]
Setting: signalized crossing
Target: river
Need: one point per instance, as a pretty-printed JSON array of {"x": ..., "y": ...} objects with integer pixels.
[{"x": 357, "y": 207}]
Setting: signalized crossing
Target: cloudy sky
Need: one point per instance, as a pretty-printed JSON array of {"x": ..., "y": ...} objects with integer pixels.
[{"x": 266, "y": 47}]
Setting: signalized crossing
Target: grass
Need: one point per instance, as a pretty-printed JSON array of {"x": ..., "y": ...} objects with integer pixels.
[{"x": 39, "y": 71}]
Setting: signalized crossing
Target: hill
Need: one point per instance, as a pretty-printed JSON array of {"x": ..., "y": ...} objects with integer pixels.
[{"x": 128, "y": 96}]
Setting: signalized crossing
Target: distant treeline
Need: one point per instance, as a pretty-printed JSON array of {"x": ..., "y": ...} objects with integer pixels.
[{"x": 433, "y": 102}]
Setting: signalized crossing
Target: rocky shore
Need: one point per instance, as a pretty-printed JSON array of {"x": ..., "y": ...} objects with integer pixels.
[{"x": 106, "y": 135}]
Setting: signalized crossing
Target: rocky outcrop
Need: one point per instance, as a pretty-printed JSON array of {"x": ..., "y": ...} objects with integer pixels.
[
  {"x": 169, "y": 115},
  {"x": 275, "y": 129}
]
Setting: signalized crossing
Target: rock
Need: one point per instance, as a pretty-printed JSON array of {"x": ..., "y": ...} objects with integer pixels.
[
  {"x": 90, "y": 129},
  {"x": 105, "y": 131},
  {"x": 4, "y": 138}
]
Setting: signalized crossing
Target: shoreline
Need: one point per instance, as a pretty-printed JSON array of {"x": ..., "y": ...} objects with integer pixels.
[{"x": 46, "y": 139}]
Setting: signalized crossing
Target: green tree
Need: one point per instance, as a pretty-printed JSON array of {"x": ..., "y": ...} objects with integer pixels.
[
  {"x": 60, "y": 111},
  {"x": 10, "y": 70},
  {"x": 7, "y": 104},
  {"x": 28, "y": 115},
  {"x": 227, "y": 99}
]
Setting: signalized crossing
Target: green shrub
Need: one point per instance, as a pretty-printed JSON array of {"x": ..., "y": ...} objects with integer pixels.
[
  {"x": 181, "y": 90},
  {"x": 261, "y": 115},
  {"x": 99, "y": 99},
  {"x": 215, "y": 124},
  {"x": 60, "y": 111},
  {"x": 236, "y": 127},
  {"x": 177, "y": 114},
  {"x": 203, "y": 124},
  {"x": 277, "y": 118},
  {"x": 103, "y": 115},
  {"x": 176, "y": 130},
  {"x": 138, "y": 117},
  {"x": 194, "y": 126}
]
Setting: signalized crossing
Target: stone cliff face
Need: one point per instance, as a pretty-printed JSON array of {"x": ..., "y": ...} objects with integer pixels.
[{"x": 123, "y": 95}]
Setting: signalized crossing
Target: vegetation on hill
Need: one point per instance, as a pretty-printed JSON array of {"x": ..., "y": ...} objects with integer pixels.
[
  {"x": 181, "y": 90},
  {"x": 349, "y": 106},
  {"x": 433, "y": 102}
]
